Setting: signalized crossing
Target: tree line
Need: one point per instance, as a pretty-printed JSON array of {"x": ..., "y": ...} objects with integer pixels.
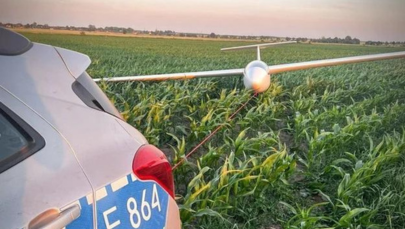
[
  {"x": 346, "y": 40},
  {"x": 336, "y": 40},
  {"x": 116, "y": 29}
]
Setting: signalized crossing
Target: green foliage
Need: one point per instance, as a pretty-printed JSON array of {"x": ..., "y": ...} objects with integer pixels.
[{"x": 322, "y": 148}]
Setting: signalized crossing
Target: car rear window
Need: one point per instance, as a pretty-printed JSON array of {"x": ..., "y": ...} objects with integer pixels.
[
  {"x": 17, "y": 139},
  {"x": 89, "y": 92}
]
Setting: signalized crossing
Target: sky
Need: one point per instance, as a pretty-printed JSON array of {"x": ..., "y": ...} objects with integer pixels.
[{"x": 382, "y": 20}]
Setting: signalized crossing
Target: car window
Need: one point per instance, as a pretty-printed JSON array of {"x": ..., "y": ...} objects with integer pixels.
[
  {"x": 17, "y": 139},
  {"x": 89, "y": 92}
]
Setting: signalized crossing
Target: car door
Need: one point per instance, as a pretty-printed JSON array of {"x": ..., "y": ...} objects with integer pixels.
[{"x": 41, "y": 181}]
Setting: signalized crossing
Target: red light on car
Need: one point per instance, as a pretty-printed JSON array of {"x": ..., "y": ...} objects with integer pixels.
[{"x": 151, "y": 164}]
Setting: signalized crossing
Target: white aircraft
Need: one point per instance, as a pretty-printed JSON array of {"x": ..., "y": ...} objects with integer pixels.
[{"x": 256, "y": 75}]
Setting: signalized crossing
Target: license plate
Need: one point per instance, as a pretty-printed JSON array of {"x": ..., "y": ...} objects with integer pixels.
[{"x": 131, "y": 203}]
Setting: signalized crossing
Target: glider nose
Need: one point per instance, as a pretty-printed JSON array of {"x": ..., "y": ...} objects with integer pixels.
[{"x": 256, "y": 76}]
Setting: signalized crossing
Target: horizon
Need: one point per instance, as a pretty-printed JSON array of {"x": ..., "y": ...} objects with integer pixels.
[
  {"x": 362, "y": 19},
  {"x": 184, "y": 32}
]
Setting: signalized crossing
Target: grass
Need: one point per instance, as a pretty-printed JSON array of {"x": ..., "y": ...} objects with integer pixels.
[{"x": 322, "y": 148}]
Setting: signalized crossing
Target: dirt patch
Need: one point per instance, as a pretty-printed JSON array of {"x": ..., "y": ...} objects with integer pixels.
[
  {"x": 168, "y": 151},
  {"x": 286, "y": 138},
  {"x": 298, "y": 175}
]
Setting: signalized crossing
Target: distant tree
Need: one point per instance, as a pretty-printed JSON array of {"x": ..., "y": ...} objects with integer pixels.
[
  {"x": 92, "y": 28},
  {"x": 34, "y": 25},
  {"x": 212, "y": 35},
  {"x": 348, "y": 40},
  {"x": 302, "y": 39},
  {"x": 355, "y": 41}
]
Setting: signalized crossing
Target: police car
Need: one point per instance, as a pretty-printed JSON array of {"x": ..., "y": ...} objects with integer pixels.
[{"x": 67, "y": 158}]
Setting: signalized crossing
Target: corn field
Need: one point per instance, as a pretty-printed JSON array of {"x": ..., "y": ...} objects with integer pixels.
[{"x": 321, "y": 148}]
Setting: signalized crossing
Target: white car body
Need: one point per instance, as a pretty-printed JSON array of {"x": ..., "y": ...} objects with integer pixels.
[{"x": 81, "y": 173}]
